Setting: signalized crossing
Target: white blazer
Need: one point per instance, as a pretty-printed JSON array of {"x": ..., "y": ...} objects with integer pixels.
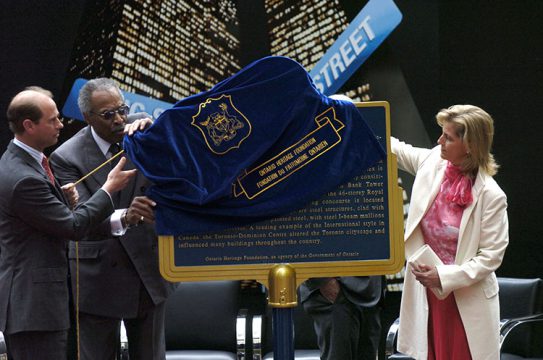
[{"x": 483, "y": 237}]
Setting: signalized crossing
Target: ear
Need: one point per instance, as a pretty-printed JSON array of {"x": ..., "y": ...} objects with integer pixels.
[
  {"x": 86, "y": 118},
  {"x": 29, "y": 126},
  {"x": 466, "y": 147}
]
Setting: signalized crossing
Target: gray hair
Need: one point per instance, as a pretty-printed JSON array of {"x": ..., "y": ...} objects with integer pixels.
[{"x": 98, "y": 84}]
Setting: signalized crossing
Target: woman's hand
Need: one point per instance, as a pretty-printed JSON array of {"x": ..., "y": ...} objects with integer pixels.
[{"x": 427, "y": 275}]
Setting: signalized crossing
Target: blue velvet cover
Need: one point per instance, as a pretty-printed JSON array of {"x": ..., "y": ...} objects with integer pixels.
[{"x": 261, "y": 143}]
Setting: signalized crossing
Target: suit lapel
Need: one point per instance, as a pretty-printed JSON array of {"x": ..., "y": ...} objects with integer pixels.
[
  {"x": 475, "y": 191},
  {"x": 31, "y": 162},
  {"x": 92, "y": 159},
  {"x": 128, "y": 193},
  {"x": 58, "y": 191}
]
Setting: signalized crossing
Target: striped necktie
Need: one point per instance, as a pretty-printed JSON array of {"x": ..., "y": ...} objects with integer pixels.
[{"x": 47, "y": 168}]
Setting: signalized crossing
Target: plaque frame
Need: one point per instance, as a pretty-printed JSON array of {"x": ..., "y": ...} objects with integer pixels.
[{"x": 304, "y": 270}]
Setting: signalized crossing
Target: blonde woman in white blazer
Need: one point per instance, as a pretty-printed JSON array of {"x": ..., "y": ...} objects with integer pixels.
[{"x": 467, "y": 278}]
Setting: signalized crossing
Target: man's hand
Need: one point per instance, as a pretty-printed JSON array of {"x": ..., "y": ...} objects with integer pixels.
[
  {"x": 140, "y": 210},
  {"x": 137, "y": 125},
  {"x": 330, "y": 290},
  {"x": 70, "y": 191},
  {"x": 117, "y": 179},
  {"x": 427, "y": 275}
]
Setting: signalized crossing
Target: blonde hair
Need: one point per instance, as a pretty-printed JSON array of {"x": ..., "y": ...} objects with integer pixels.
[{"x": 476, "y": 129}]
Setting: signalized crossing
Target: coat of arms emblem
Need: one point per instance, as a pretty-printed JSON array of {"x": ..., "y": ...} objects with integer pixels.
[{"x": 223, "y": 126}]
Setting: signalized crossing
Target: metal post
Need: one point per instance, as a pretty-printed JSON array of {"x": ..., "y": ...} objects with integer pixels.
[{"x": 282, "y": 298}]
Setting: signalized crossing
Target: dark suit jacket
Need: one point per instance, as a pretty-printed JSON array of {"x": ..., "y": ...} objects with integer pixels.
[
  {"x": 363, "y": 291},
  {"x": 35, "y": 224},
  {"x": 110, "y": 269}
]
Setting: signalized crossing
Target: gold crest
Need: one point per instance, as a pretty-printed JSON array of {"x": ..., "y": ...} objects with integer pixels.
[{"x": 223, "y": 126}]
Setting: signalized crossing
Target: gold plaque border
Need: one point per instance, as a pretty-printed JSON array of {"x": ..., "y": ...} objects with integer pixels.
[{"x": 259, "y": 272}]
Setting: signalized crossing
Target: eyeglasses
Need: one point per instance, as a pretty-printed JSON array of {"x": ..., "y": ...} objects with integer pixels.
[{"x": 110, "y": 114}]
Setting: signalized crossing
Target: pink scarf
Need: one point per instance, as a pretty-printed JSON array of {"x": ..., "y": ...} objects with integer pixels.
[{"x": 460, "y": 186}]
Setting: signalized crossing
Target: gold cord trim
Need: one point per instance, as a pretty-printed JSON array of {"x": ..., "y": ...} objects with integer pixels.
[{"x": 99, "y": 167}]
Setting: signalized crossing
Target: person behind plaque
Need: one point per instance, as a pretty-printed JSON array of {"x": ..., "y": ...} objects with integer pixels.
[
  {"x": 35, "y": 222},
  {"x": 119, "y": 275},
  {"x": 345, "y": 311},
  {"x": 346, "y": 315},
  {"x": 458, "y": 209}
]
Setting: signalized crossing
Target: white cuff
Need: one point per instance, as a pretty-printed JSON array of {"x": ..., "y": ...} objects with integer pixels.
[{"x": 117, "y": 228}]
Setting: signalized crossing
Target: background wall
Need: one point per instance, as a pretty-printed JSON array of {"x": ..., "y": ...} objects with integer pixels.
[{"x": 486, "y": 53}]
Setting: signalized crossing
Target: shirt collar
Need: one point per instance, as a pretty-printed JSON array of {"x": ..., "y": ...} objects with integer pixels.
[
  {"x": 38, "y": 155},
  {"x": 102, "y": 144}
]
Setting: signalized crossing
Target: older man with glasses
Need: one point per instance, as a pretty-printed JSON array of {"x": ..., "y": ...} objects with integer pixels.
[{"x": 119, "y": 279}]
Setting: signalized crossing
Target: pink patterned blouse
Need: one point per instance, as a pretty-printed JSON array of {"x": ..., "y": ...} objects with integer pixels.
[{"x": 440, "y": 225}]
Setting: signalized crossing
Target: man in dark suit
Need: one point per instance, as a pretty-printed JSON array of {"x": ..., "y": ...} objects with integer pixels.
[
  {"x": 346, "y": 315},
  {"x": 119, "y": 275},
  {"x": 35, "y": 222}
]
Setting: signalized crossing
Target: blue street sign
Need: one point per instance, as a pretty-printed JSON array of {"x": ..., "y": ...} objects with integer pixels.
[{"x": 365, "y": 33}]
